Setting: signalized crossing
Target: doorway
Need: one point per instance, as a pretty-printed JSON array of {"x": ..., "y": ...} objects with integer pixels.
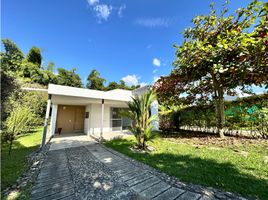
[{"x": 70, "y": 118}]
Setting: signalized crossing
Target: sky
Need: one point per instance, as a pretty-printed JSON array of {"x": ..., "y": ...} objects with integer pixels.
[{"x": 129, "y": 40}]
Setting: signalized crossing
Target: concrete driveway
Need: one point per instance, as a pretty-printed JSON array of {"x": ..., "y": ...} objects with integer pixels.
[{"x": 70, "y": 140}]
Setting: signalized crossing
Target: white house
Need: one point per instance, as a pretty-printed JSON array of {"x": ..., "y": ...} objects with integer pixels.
[{"x": 93, "y": 112}]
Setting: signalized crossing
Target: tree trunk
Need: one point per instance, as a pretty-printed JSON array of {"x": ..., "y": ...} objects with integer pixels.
[
  {"x": 10, "y": 147},
  {"x": 220, "y": 112}
]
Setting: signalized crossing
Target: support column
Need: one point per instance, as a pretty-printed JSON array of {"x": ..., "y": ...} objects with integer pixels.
[
  {"x": 46, "y": 121},
  {"x": 102, "y": 116},
  {"x": 53, "y": 119}
]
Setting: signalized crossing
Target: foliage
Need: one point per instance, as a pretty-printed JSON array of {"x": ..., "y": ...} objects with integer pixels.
[
  {"x": 50, "y": 67},
  {"x": 95, "y": 82},
  {"x": 8, "y": 85},
  {"x": 207, "y": 161},
  {"x": 34, "y": 56},
  {"x": 20, "y": 121},
  {"x": 139, "y": 112},
  {"x": 219, "y": 54},
  {"x": 69, "y": 78},
  {"x": 245, "y": 114},
  {"x": 114, "y": 85},
  {"x": 12, "y": 56},
  {"x": 12, "y": 167},
  {"x": 169, "y": 118},
  {"x": 34, "y": 101}
]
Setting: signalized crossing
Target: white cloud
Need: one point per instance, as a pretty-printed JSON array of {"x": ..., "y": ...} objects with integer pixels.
[
  {"x": 154, "y": 71},
  {"x": 153, "y": 22},
  {"x": 120, "y": 10},
  {"x": 131, "y": 80},
  {"x": 92, "y": 2},
  {"x": 156, "y": 62},
  {"x": 103, "y": 11},
  {"x": 149, "y": 46}
]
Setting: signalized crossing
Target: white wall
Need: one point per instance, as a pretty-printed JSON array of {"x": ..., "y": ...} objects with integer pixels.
[
  {"x": 53, "y": 119},
  {"x": 95, "y": 119},
  {"x": 87, "y": 121},
  {"x": 154, "y": 111}
]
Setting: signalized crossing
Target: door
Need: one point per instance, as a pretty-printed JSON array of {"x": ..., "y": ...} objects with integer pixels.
[
  {"x": 79, "y": 118},
  {"x": 70, "y": 118}
]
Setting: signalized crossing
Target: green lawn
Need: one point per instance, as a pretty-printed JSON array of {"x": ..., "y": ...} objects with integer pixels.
[
  {"x": 14, "y": 165},
  {"x": 235, "y": 165}
]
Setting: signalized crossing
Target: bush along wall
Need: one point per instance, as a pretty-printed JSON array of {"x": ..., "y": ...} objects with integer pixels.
[{"x": 245, "y": 116}]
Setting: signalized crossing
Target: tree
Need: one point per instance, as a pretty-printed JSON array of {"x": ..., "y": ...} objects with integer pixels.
[
  {"x": 8, "y": 86},
  {"x": 139, "y": 113},
  {"x": 95, "y": 82},
  {"x": 17, "y": 123},
  {"x": 12, "y": 57},
  {"x": 69, "y": 78},
  {"x": 112, "y": 85},
  {"x": 34, "y": 56},
  {"x": 50, "y": 67},
  {"x": 218, "y": 55}
]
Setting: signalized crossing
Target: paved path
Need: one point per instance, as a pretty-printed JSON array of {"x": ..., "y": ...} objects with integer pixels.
[
  {"x": 69, "y": 140},
  {"x": 93, "y": 172}
]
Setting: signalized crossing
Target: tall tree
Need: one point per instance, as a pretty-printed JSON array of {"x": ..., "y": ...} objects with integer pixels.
[
  {"x": 69, "y": 78},
  {"x": 112, "y": 85},
  {"x": 12, "y": 57},
  {"x": 34, "y": 56},
  {"x": 95, "y": 81},
  {"x": 50, "y": 67},
  {"x": 218, "y": 55}
]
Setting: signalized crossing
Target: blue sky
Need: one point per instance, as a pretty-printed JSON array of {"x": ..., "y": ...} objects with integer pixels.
[{"x": 129, "y": 40}]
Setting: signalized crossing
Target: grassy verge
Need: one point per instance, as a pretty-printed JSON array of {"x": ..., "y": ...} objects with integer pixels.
[
  {"x": 14, "y": 165},
  {"x": 236, "y": 165}
]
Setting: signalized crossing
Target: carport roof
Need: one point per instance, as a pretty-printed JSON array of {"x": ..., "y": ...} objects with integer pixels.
[{"x": 116, "y": 95}]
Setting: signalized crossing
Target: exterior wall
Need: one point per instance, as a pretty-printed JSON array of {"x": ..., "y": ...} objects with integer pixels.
[
  {"x": 53, "y": 119},
  {"x": 95, "y": 119},
  {"x": 87, "y": 120},
  {"x": 154, "y": 111}
]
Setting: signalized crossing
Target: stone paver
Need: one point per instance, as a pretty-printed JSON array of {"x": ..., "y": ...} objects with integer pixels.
[
  {"x": 54, "y": 181},
  {"x": 139, "y": 180},
  {"x": 95, "y": 172}
]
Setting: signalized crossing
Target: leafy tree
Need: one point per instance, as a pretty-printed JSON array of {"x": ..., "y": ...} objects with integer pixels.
[
  {"x": 69, "y": 78},
  {"x": 218, "y": 55},
  {"x": 139, "y": 113},
  {"x": 34, "y": 56},
  {"x": 17, "y": 123},
  {"x": 8, "y": 86},
  {"x": 112, "y": 85},
  {"x": 95, "y": 81},
  {"x": 50, "y": 67},
  {"x": 12, "y": 57}
]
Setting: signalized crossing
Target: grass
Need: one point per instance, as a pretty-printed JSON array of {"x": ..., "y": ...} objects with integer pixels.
[
  {"x": 235, "y": 165},
  {"x": 15, "y": 164}
]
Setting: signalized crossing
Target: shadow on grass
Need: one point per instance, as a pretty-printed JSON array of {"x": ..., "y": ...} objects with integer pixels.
[{"x": 198, "y": 170}]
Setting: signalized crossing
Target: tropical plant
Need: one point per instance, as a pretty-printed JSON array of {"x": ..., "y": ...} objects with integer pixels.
[
  {"x": 20, "y": 121},
  {"x": 139, "y": 112}
]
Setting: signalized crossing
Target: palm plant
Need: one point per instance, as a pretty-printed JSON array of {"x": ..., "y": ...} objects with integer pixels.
[{"x": 139, "y": 113}]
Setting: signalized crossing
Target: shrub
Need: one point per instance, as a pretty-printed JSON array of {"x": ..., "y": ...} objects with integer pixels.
[{"x": 21, "y": 120}]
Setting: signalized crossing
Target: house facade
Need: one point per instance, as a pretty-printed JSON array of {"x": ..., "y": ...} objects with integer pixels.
[{"x": 93, "y": 112}]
